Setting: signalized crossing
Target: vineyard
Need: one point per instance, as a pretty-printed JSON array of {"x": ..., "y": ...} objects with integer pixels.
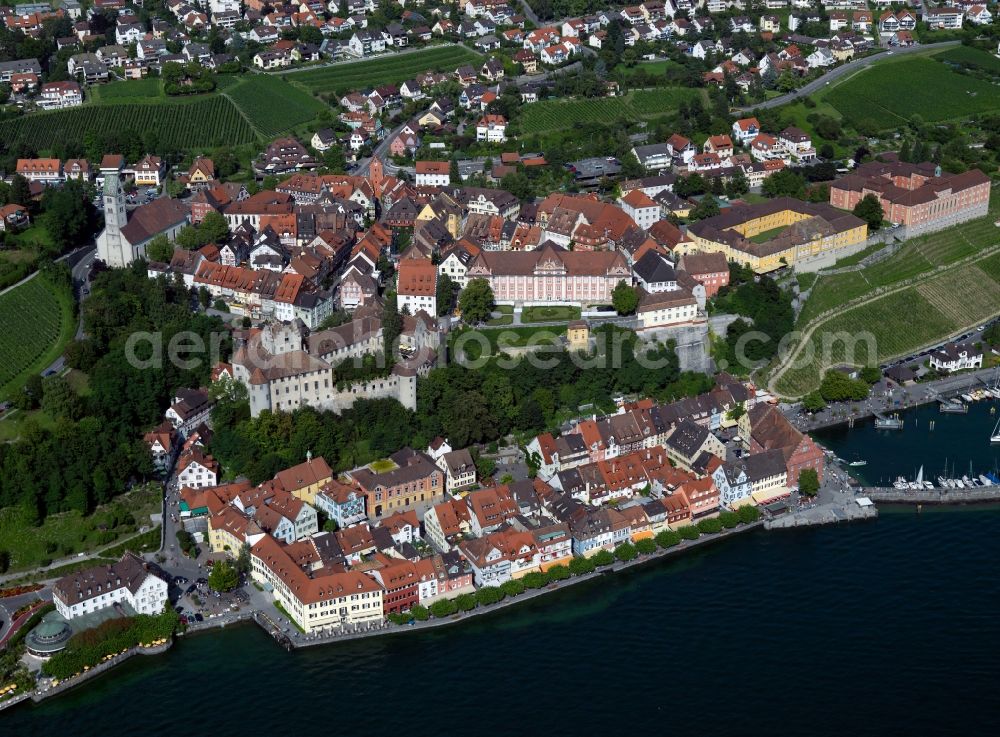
[
  {"x": 950, "y": 295},
  {"x": 541, "y": 117},
  {"x": 205, "y": 122},
  {"x": 36, "y": 322},
  {"x": 343, "y": 78},
  {"x": 272, "y": 104},
  {"x": 891, "y": 93},
  {"x": 968, "y": 56},
  {"x": 917, "y": 256}
]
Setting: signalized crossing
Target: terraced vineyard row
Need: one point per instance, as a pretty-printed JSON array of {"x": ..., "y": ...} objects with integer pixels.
[
  {"x": 342, "y": 78},
  {"x": 211, "y": 121},
  {"x": 273, "y": 104},
  {"x": 33, "y": 318}
]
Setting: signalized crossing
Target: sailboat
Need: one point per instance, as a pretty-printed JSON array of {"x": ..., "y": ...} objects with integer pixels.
[{"x": 995, "y": 437}]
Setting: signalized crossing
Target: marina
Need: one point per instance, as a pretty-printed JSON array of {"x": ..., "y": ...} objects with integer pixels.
[{"x": 929, "y": 450}]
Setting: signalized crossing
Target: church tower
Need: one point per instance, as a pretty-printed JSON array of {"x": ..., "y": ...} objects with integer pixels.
[{"x": 112, "y": 248}]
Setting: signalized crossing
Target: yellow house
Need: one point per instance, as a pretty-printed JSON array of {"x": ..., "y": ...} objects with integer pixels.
[
  {"x": 777, "y": 233},
  {"x": 305, "y": 480},
  {"x": 201, "y": 173},
  {"x": 229, "y": 530},
  {"x": 578, "y": 335},
  {"x": 445, "y": 209}
]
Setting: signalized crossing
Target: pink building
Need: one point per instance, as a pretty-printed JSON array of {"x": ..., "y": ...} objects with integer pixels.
[
  {"x": 920, "y": 197},
  {"x": 551, "y": 274}
]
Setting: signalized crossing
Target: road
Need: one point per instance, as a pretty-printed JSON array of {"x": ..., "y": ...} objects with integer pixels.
[
  {"x": 838, "y": 72},
  {"x": 80, "y": 262}
]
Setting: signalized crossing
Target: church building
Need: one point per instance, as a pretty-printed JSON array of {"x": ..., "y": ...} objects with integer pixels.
[{"x": 124, "y": 238}]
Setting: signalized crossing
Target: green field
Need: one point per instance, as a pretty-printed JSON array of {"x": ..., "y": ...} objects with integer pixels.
[
  {"x": 550, "y": 115},
  {"x": 343, "y": 78},
  {"x": 36, "y": 323},
  {"x": 892, "y": 93},
  {"x": 272, "y": 104},
  {"x": 69, "y": 533},
  {"x": 209, "y": 121},
  {"x": 968, "y": 56}
]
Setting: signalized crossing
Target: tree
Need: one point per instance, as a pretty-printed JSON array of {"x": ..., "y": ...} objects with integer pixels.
[
  {"x": 20, "y": 191},
  {"x": 159, "y": 249},
  {"x": 707, "y": 208},
  {"x": 454, "y": 174},
  {"x": 476, "y": 301},
  {"x": 223, "y": 577},
  {"x": 243, "y": 560},
  {"x": 737, "y": 185},
  {"x": 204, "y": 297},
  {"x": 870, "y": 210},
  {"x": 785, "y": 183},
  {"x": 837, "y": 386},
  {"x": 870, "y": 375},
  {"x": 447, "y": 288},
  {"x": 813, "y": 402},
  {"x": 808, "y": 482},
  {"x": 624, "y": 298}
]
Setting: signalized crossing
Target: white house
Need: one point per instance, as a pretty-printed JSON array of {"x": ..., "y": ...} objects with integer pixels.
[
  {"x": 641, "y": 208},
  {"x": 433, "y": 173},
  {"x": 956, "y": 357},
  {"x": 492, "y": 129},
  {"x": 128, "y": 581}
]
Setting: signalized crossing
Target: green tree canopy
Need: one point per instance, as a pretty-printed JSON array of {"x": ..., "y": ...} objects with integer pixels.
[
  {"x": 476, "y": 301},
  {"x": 624, "y": 298},
  {"x": 870, "y": 210}
]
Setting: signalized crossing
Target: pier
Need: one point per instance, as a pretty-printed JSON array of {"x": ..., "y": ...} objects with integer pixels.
[
  {"x": 844, "y": 507},
  {"x": 889, "y": 495}
]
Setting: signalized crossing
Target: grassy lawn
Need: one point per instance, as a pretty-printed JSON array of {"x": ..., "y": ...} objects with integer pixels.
[
  {"x": 132, "y": 89},
  {"x": 17, "y": 255},
  {"x": 14, "y": 423},
  {"x": 767, "y": 235},
  {"x": 35, "y": 238},
  {"x": 550, "y": 115},
  {"x": 659, "y": 68},
  {"x": 502, "y": 320},
  {"x": 69, "y": 533},
  {"x": 858, "y": 257},
  {"x": 549, "y": 314},
  {"x": 806, "y": 280},
  {"x": 36, "y": 323},
  {"x": 382, "y": 466}
]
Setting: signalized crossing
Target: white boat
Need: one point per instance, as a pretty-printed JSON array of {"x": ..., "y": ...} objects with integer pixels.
[
  {"x": 967, "y": 482},
  {"x": 995, "y": 437},
  {"x": 985, "y": 481},
  {"x": 901, "y": 483},
  {"x": 943, "y": 482},
  {"x": 858, "y": 463}
]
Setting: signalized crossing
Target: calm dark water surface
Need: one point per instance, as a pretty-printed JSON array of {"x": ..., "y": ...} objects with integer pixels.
[{"x": 887, "y": 627}]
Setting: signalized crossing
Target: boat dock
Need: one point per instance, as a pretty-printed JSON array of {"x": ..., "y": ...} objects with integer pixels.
[
  {"x": 883, "y": 422},
  {"x": 844, "y": 508},
  {"x": 889, "y": 495}
]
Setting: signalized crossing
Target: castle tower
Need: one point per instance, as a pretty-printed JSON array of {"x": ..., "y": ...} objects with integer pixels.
[
  {"x": 112, "y": 248},
  {"x": 377, "y": 176}
]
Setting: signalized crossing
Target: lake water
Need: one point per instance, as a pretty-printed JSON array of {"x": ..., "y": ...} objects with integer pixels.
[
  {"x": 885, "y": 627},
  {"x": 955, "y": 440}
]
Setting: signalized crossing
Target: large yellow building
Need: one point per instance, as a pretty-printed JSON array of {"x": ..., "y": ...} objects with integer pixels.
[
  {"x": 316, "y": 600},
  {"x": 777, "y": 233}
]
